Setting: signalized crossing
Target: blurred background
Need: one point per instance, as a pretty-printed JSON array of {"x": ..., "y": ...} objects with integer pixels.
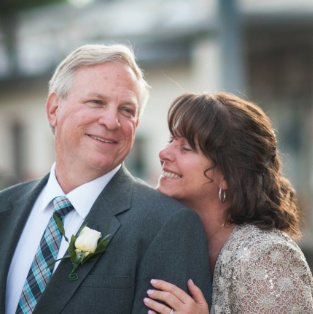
[{"x": 260, "y": 50}]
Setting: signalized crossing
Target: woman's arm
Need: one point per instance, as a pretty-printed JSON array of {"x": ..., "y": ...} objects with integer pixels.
[
  {"x": 276, "y": 280},
  {"x": 172, "y": 297}
]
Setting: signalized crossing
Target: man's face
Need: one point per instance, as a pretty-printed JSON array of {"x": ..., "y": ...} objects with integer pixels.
[{"x": 95, "y": 124}]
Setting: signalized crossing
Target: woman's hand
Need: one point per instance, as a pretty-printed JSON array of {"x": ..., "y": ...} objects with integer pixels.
[{"x": 175, "y": 298}]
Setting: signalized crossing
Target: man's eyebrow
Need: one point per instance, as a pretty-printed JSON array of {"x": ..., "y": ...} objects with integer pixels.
[
  {"x": 131, "y": 101},
  {"x": 97, "y": 95}
]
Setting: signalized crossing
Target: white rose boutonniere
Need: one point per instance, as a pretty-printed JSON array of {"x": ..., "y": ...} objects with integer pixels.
[
  {"x": 88, "y": 244},
  {"x": 87, "y": 241}
]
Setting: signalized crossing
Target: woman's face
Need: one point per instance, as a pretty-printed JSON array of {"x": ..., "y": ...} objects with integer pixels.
[{"x": 183, "y": 174}]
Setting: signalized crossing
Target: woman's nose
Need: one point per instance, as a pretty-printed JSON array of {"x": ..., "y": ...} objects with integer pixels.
[{"x": 166, "y": 154}]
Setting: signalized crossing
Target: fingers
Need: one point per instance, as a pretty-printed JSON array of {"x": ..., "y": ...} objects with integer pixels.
[
  {"x": 171, "y": 291},
  {"x": 168, "y": 296},
  {"x": 156, "y": 307},
  {"x": 167, "y": 299},
  {"x": 196, "y": 292}
]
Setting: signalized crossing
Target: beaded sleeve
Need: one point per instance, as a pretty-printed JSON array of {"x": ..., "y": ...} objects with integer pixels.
[{"x": 261, "y": 272}]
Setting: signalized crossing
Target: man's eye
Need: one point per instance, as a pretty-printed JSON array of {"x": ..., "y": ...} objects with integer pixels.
[
  {"x": 128, "y": 111},
  {"x": 186, "y": 148},
  {"x": 96, "y": 101}
]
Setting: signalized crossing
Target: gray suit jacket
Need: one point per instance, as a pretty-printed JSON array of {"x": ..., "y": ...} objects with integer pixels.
[{"x": 152, "y": 236}]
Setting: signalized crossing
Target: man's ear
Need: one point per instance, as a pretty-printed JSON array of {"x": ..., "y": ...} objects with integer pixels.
[{"x": 52, "y": 106}]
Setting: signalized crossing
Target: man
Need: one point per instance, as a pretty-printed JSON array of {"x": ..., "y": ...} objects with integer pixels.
[{"x": 96, "y": 97}]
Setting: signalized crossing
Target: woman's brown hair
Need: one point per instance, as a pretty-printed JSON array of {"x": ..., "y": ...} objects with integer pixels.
[{"x": 238, "y": 137}]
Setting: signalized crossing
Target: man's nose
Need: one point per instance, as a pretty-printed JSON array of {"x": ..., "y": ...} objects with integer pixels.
[{"x": 110, "y": 118}]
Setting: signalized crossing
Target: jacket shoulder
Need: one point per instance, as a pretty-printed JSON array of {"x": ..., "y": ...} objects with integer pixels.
[
  {"x": 19, "y": 187},
  {"x": 23, "y": 188},
  {"x": 159, "y": 205}
]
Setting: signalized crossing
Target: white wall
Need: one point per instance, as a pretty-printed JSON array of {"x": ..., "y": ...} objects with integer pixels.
[{"x": 26, "y": 106}]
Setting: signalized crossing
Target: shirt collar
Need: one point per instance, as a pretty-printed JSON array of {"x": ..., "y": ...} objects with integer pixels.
[{"x": 83, "y": 197}]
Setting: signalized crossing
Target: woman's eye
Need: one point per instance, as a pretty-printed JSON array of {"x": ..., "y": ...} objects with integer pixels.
[
  {"x": 171, "y": 139},
  {"x": 186, "y": 148}
]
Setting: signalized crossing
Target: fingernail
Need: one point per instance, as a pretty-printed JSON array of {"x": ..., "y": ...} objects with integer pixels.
[
  {"x": 153, "y": 281},
  {"x": 146, "y": 300},
  {"x": 150, "y": 292},
  {"x": 190, "y": 280}
]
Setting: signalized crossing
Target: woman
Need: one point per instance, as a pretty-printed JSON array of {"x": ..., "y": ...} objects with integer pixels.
[{"x": 222, "y": 161}]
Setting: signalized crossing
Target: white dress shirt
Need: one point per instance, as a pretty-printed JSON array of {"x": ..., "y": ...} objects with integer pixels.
[{"x": 82, "y": 198}]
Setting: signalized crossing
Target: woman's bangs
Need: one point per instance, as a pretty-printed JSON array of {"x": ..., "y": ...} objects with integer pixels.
[{"x": 182, "y": 122}]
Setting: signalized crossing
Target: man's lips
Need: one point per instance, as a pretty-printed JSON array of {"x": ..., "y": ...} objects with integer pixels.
[{"x": 103, "y": 140}]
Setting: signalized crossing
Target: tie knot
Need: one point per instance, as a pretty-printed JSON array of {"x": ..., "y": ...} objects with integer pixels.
[{"x": 62, "y": 206}]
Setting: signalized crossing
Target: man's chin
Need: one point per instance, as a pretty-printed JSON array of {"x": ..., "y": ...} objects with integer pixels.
[{"x": 102, "y": 167}]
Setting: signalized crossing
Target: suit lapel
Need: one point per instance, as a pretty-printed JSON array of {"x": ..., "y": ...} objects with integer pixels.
[
  {"x": 114, "y": 199},
  {"x": 12, "y": 220}
]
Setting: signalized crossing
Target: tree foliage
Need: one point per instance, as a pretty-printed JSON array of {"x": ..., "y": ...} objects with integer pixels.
[{"x": 9, "y": 7}]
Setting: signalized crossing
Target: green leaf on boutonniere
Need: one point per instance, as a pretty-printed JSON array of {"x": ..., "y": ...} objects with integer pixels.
[
  {"x": 90, "y": 243},
  {"x": 71, "y": 248},
  {"x": 102, "y": 244},
  {"x": 60, "y": 226}
]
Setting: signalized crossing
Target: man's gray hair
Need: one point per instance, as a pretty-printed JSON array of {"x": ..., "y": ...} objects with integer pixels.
[{"x": 94, "y": 54}]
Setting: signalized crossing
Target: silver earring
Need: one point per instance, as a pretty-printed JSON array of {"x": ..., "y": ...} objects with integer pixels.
[{"x": 222, "y": 195}]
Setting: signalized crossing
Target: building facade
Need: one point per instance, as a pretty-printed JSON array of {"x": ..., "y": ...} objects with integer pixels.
[{"x": 261, "y": 50}]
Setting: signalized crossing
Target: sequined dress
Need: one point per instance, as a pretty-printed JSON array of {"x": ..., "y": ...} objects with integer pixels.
[{"x": 260, "y": 272}]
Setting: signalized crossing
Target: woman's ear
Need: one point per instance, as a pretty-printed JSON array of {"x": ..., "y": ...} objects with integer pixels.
[
  {"x": 52, "y": 106},
  {"x": 223, "y": 184}
]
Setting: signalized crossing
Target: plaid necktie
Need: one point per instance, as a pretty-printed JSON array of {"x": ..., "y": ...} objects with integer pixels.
[{"x": 47, "y": 252}]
